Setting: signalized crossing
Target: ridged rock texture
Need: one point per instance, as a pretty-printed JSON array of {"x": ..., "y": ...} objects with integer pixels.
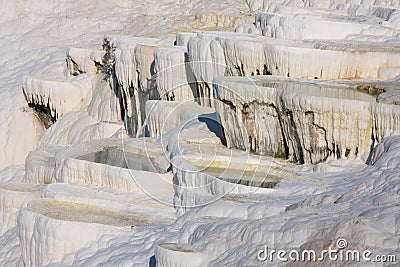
[{"x": 197, "y": 133}]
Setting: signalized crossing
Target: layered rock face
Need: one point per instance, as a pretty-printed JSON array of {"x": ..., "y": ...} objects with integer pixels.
[
  {"x": 60, "y": 95},
  {"x": 174, "y": 62},
  {"x": 204, "y": 148},
  {"x": 302, "y": 120},
  {"x": 132, "y": 69}
]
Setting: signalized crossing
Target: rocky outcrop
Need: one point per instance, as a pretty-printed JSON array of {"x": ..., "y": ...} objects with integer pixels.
[
  {"x": 131, "y": 73},
  {"x": 216, "y": 170},
  {"x": 59, "y": 95},
  {"x": 302, "y": 120},
  {"x": 84, "y": 60},
  {"x": 174, "y": 78}
]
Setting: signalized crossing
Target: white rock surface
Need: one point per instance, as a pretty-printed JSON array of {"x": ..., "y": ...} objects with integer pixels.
[
  {"x": 13, "y": 197},
  {"x": 61, "y": 95},
  {"x": 174, "y": 76},
  {"x": 84, "y": 60},
  {"x": 17, "y": 144},
  {"x": 87, "y": 219},
  {"x": 134, "y": 73},
  {"x": 104, "y": 104},
  {"x": 76, "y": 127},
  {"x": 182, "y": 38},
  {"x": 217, "y": 54},
  {"x": 13, "y": 173},
  {"x": 10, "y": 250},
  {"x": 99, "y": 117},
  {"x": 117, "y": 200},
  {"x": 49, "y": 229},
  {"x": 111, "y": 163},
  {"x": 247, "y": 28},
  {"x": 39, "y": 167},
  {"x": 269, "y": 114},
  {"x": 36, "y": 37},
  {"x": 163, "y": 116},
  {"x": 207, "y": 61},
  {"x": 363, "y": 217},
  {"x": 268, "y": 5},
  {"x": 173, "y": 254},
  {"x": 282, "y": 27}
]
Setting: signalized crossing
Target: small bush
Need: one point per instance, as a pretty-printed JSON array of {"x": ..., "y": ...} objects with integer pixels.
[{"x": 109, "y": 59}]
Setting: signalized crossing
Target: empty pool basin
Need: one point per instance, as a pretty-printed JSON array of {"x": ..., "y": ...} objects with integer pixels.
[
  {"x": 50, "y": 229},
  {"x": 138, "y": 167}
]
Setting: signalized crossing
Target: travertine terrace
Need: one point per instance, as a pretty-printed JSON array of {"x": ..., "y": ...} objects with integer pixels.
[{"x": 198, "y": 133}]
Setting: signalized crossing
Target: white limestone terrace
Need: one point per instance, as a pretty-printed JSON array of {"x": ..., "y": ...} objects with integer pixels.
[
  {"x": 69, "y": 169},
  {"x": 225, "y": 54},
  {"x": 179, "y": 254},
  {"x": 99, "y": 116},
  {"x": 271, "y": 5},
  {"x": 324, "y": 20},
  {"x": 163, "y": 116},
  {"x": 205, "y": 171},
  {"x": 37, "y": 35},
  {"x": 131, "y": 167},
  {"x": 91, "y": 195},
  {"x": 132, "y": 64},
  {"x": 322, "y": 27},
  {"x": 59, "y": 94},
  {"x": 140, "y": 69},
  {"x": 14, "y": 196},
  {"x": 174, "y": 62},
  {"x": 84, "y": 60},
  {"x": 74, "y": 91},
  {"x": 281, "y": 115},
  {"x": 353, "y": 12},
  {"x": 182, "y": 38},
  {"x": 114, "y": 199},
  {"x": 226, "y": 184},
  {"x": 39, "y": 166},
  {"x": 346, "y": 3},
  {"x": 66, "y": 227},
  {"x": 181, "y": 197},
  {"x": 363, "y": 215},
  {"x": 342, "y": 207},
  {"x": 285, "y": 220}
]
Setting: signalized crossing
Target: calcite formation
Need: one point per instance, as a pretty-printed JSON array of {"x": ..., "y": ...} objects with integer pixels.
[
  {"x": 61, "y": 223},
  {"x": 174, "y": 62},
  {"x": 164, "y": 116},
  {"x": 84, "y": 60},
  {"x": 306, "y": 121},
  {"x": 133, "y": 70},
  {"x": 204, "y": 147},
  {"x": 60, "y": 95}
]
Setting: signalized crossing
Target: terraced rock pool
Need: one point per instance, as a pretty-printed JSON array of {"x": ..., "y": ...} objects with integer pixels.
[
  {"x": 115, "y": 156},
  {"x": 244, "y": 177}
]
